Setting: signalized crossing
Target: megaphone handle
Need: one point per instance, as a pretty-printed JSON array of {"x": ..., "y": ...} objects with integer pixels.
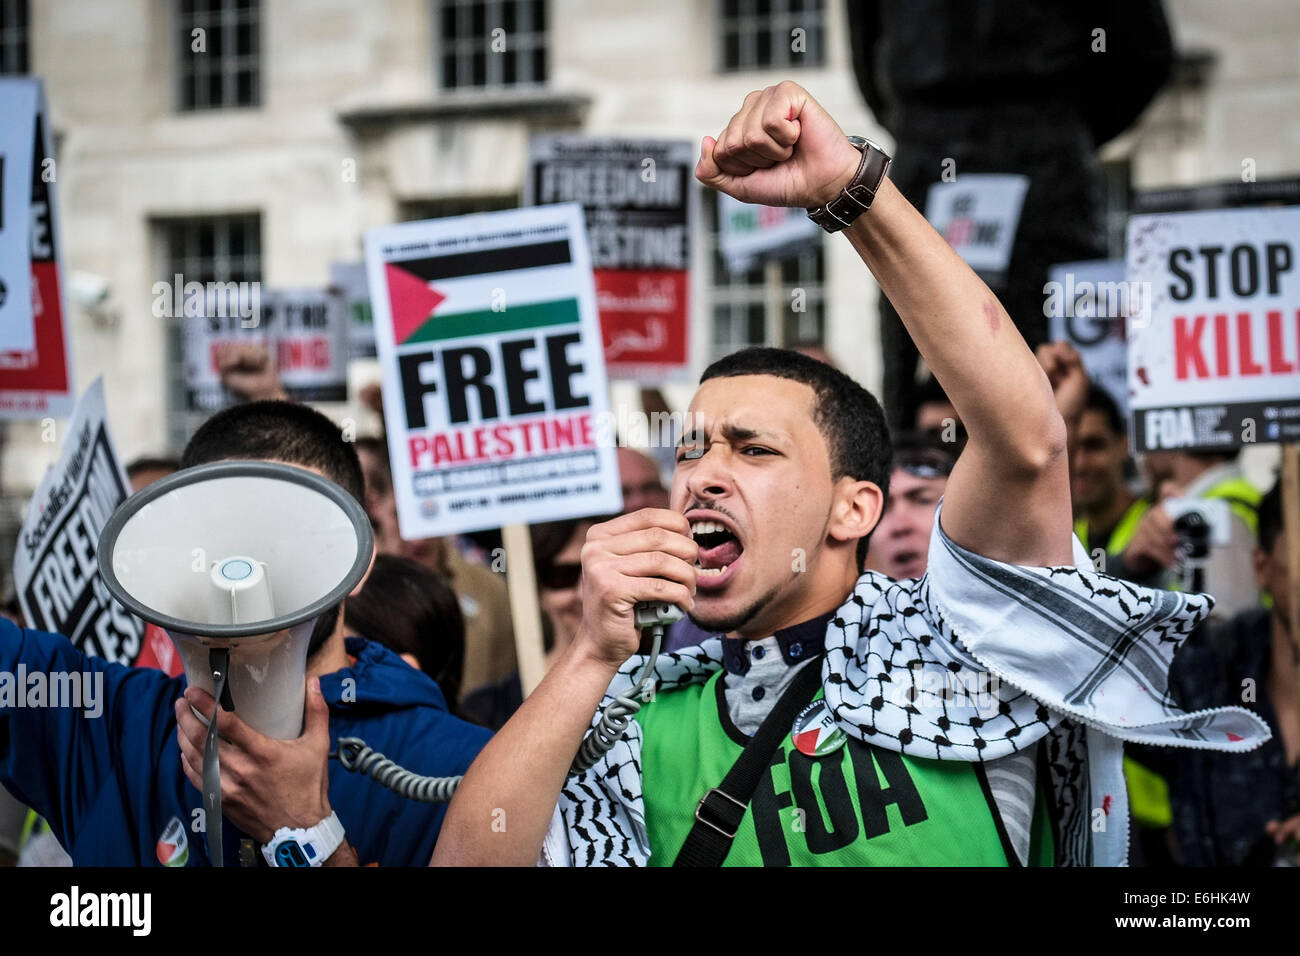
[{"x": 219, "y": 663}]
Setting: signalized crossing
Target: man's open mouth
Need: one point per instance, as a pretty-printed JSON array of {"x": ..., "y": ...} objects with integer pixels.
[{"x": 719, "y": 546}]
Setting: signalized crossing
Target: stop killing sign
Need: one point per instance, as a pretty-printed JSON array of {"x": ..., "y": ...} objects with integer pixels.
[
  {"x": 1215, "y": 360},
  {"x": 494, "y": 377}
]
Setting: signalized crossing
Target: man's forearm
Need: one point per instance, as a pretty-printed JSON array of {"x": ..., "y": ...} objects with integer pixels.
[
  {"x": 504, "y": 806},
  {"x": 959, "y": 327},
  {"x": 1009, "y": 495}
]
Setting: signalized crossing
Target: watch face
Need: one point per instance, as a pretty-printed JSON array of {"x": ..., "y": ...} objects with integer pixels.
[
  {"x": 290, "y": 854},
  {"x": 861, "y": 142}
]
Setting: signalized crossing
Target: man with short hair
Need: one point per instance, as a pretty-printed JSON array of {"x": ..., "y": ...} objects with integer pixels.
[
  {"x": 145, "y": 470},
  {"x": 114, "y": 787},
  {"x": 1107, "y": 514},
  {"x": 773, "y": 498}
]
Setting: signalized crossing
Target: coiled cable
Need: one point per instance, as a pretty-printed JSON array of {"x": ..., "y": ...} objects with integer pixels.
[
  {"x": 355, "y": 755},
  {"x": 613, "y": 722}
]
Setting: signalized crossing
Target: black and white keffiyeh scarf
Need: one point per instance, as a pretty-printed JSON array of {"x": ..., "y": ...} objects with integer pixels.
[{"x": 977, "y": 661}]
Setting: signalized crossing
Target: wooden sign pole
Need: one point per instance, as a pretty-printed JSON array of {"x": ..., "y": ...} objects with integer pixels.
[
  {"x": 1291, "y": 527},
  {"x": 521, "y": 583}
]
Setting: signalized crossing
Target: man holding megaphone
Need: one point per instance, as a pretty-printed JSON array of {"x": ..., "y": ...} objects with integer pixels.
[{"x": 245, "y": 557}]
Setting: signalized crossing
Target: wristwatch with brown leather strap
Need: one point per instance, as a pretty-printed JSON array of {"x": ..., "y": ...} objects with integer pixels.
[{"x": 855, "y": 198}]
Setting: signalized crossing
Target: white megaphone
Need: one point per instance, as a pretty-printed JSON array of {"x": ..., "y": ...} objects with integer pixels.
[{"x": 235, "y": 561}]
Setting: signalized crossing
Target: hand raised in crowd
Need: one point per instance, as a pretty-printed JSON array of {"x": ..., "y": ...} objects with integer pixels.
[
  {"x": 266, "y": 783},
  {"x": 249, "y": 371},
  {"x": 1064, "y": 367},
  {"x": 781, "y": 149},
  {"x": 648, "y": 555},
  {"x": 1154, "y": 544}
]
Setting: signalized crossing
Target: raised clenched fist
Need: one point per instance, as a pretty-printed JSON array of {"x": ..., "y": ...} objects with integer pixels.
[{"x": 781, "y": 149}]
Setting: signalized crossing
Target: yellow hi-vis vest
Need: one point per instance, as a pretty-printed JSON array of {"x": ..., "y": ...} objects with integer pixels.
[
  {"x": 1124, "y": 530},
  {"x": 1242, "y": 497}
]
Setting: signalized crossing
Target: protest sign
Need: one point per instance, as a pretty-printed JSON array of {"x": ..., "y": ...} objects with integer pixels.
[
  {"x": 639, "y": 203},
  {"x": 348, "y": 280},
  {"x": 494, "y": 378},
  {"x": 749, "y": 234},
  {"x": 55, "y": 571},
  {"x": 18, "y": 106},
  {"x": 35, "y": 364},
  {"x": 978, "y": 214},
  {"x": 1216, "y": 364},
  {"x": 305, "y": 329},
  {"x": 1088, "y": 304}
]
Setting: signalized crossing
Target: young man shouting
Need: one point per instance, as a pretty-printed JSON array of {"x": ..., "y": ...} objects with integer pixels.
[{"x": 773, "y": 497}]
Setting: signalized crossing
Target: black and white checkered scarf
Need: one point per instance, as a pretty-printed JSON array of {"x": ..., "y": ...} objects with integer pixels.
[{"x": 978, "y": 661}]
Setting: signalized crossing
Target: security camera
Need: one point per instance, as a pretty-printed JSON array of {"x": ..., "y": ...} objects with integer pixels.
[
  {"x": 92, "y": 292},
  {"x": 87, "y": 289}
]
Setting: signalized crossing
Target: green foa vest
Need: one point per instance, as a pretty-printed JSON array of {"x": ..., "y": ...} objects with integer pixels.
[{"x": 858, "y": 806}]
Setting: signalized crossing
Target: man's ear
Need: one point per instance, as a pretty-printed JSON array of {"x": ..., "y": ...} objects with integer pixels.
[
  {"x": 855, "y": 510},
  {"x": 365, "y": 577},
  {"x": 1262, "y": 562}
]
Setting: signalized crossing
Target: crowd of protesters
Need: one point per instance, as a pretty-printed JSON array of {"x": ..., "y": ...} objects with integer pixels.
[
  {"x": 441, "y": 608},
  {"x": 428, "y": 642}
]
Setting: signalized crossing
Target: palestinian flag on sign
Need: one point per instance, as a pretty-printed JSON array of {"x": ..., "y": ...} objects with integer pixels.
[{"x": 476, "y": 293}]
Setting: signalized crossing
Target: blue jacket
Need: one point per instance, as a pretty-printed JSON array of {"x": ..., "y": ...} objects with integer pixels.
[{"x": 110, "y": 785}]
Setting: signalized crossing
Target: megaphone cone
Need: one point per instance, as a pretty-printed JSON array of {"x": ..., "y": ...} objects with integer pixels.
[{"x": 242, "y": 556}]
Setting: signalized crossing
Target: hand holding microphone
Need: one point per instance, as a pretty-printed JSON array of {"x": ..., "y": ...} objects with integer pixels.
[{"x": 645, "y": 556}]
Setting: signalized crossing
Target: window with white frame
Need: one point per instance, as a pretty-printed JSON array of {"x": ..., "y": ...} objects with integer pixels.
[
  {"x": 781, "y": 302},
  {"x": 14, "y": 58},
  {"x": 218, "y": 54},
  {"x": 770, "y": 34},
  {"x": 491, "y": 43}
]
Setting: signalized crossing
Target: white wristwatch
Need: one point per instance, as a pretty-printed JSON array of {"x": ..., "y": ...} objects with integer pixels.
[{"x": 309, "y": 847}]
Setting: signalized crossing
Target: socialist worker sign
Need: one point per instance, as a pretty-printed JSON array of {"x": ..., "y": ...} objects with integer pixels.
[
  {"x": 1215, "y": 360},
  {"x": 495, "y": 398}
]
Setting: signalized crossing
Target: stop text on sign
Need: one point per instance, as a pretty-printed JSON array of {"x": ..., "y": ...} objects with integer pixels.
[{"x": 1230, "y": 343}]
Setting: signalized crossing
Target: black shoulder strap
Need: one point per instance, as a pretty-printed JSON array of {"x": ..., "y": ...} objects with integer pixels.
[{"x": 718, "y": 815}]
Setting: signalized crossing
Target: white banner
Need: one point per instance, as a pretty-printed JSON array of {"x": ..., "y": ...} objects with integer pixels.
[
  {"x": 1217, "y": 363},
  {"x": 55, "y": 570},
  {"x": 1089, "y": 305},
  {"x": 978, "y": 214},
  {"x": 305, "y": 329},
  {"x": 18, "y": 104},
  {"x": 348, "y": 279},
  {"x": 35, "y": 352},
  {"x": 495, "y": 398},
  {"x": 749, "y": 233}
]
